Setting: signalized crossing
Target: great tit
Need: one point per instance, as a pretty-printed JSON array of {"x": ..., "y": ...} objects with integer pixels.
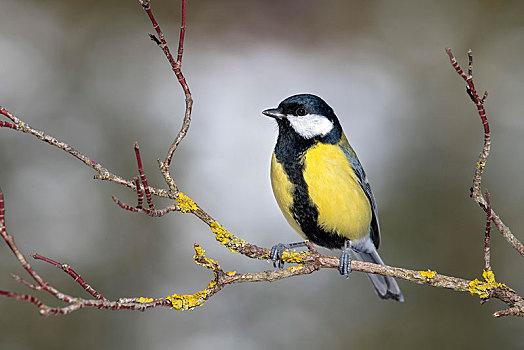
[{"x": 322, "y": 189}]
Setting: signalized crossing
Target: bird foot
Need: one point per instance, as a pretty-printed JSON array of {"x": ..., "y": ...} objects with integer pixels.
[
  {"x": 345, "y": 260},
  {"x": 278, "y": 249}
]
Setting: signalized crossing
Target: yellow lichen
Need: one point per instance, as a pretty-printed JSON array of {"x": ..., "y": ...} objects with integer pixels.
[
  {"x": 428, "y": 274},
  {"x": 185, "y": 204},
  {"x": 294, "y": 268},
  {"x": 145, "y": 300},
  {"x": 224, "y": 237},
  {"x": 200, "y": 253},
  {"x": 481, "y": 164},
  {"x": 190, "y": 301},
  {"x": 291, "y": 256},
  {"x": 482, "y": 288}
]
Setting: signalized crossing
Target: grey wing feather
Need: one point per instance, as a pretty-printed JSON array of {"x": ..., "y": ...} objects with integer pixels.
[{"x": 359, "y": 171}]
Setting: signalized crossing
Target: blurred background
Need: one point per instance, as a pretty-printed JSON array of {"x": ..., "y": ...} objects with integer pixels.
[{"x": 87, "y": 73}]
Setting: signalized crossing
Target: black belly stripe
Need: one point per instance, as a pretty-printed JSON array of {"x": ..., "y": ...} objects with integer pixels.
[
  {"x": 289, "y": 151},
  {"x": 306, "y": 215}
]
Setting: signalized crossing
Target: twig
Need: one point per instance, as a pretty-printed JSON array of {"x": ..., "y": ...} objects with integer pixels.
[
  {"x": 76, "y": 277},
  {"x": 143, "y": 179},
  {"x": 151, "y": 212},
  {"x": 139, "y": 193},
  {"x": 103, "y": 173},
  {"x": 25, "y": 283},
  {"x": 476, "y": 192},
  {"x": 487, "y": 233},
  {"x": 176, "y": 66},
  {"x": 496, "y": 290},
  {"x": 4, "y": 124}
]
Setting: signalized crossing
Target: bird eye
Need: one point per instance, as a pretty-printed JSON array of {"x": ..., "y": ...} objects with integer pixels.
[{"x": 301, "y": 111}]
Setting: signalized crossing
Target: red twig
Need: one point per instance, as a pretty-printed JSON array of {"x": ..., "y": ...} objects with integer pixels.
[
  {"x": 479, "y": 102},
  {"x": 151, "y": 212},
  {"x": 4, "y": 124},
  {"x": 24, "y": 297},
  {"x": 11, "y": 243},
  {"x": 177, "y": 69},
  {"x": 24, "y": 282},
  {"x": 455, "y": 64},
  {"x": 103, "y": 173},
  {"x": 476, "y": 192},
  {"x": 41, "y": 283},
  {"x": 143, "y": 178},
  {"x": 139, "y": 193},
  {"x": 175, "y": 65},
  {"x": 2, "y": 215},
  {"x": 181, "y": 41},
  {"x": 487, "y": 233},
  {"x": 126, "y": 206},
  {"x": 66, "y": 268}
]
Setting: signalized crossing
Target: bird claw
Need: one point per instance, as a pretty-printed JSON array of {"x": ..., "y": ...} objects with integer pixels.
[
  {"x": 276, "y": 255},
  {"x": 278, "y": 249},
  {"x": 345, "y": 261}
]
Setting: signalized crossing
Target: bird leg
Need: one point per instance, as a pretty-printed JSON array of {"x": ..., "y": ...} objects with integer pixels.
[
  {"x": 345, "y": 260},
  {"x": 278, "y": 249}
]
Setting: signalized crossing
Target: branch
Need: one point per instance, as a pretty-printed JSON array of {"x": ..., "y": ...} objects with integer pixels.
[{"x": 308, "y": 262}]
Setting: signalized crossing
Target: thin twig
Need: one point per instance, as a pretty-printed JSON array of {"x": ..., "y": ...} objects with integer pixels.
[
  {"x": 487, "y": 233},
  {"x": 151, "y": 212},
  {"x": 76, "y": 277},
  {"x": 25, "y": 283},
  {"x": 103, "y": 173},
  {"x": 176, "y": 66},
  {"x": 4, "y": 124},
  {"x": 139, "y": 193},
  {"x": 143, "y": 178},
  {"x": 476, "y": 192}
]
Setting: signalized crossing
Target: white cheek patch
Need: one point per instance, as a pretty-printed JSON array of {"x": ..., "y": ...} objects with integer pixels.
[{"x": 310, "y": 125}]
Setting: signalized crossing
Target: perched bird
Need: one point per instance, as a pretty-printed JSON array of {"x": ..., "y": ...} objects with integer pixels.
[{"x": 321, "y": 187}]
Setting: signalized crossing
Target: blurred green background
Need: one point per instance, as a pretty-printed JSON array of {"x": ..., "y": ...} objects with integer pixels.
[{"x": 86, "y": 72}]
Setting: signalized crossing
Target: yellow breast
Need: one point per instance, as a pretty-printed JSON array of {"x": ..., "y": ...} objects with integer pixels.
[
  {"x": 333, "y": 187},
  {"x": 283, "y": 190}
]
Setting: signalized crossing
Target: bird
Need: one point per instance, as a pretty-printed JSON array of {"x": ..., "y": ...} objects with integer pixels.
[{"x": 321, "y": 187}]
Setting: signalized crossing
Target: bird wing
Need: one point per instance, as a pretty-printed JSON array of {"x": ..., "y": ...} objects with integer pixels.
[{"x": 364, "y": 184}]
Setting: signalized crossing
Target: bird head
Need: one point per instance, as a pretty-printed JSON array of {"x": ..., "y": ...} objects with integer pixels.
[{"x": 307, "y": 115}]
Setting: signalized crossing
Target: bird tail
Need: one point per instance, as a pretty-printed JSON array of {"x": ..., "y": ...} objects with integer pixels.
[{"x": 385, "y": 286}]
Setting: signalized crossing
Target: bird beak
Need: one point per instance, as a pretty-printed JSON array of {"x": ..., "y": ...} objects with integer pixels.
[{"x": 273, "y": 113}]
